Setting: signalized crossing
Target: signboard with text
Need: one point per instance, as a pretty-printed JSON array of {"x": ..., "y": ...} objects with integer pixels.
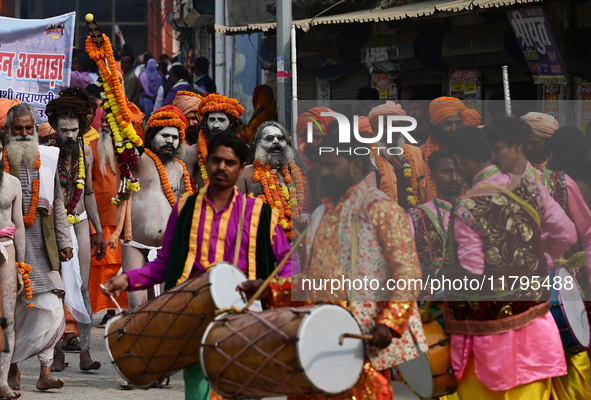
[
  {"x": 36, "y": 59},
  {"x": 534, "y": 35}
]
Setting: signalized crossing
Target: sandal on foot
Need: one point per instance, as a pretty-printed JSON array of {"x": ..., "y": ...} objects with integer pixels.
[{"x": 73, "y": 344}]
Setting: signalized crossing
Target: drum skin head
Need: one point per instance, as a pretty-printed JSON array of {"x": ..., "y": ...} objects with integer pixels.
[
  {"x": 417, "y": 374},
  {"x": 224, "y": 278},
  {"x": 328, "y": 366},
  {"x": 574, "y": 310}
]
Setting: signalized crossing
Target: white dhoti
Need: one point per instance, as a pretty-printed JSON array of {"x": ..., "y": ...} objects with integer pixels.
[
  {"x": 38, "y": 329},
  {"x": 73, "y": 281},
  {"x": 151, "y": 256}
]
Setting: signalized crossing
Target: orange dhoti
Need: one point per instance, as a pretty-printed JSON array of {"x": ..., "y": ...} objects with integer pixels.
[{"x": 103, "y": 270}]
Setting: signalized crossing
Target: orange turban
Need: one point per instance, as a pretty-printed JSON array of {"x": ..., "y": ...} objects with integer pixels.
[
  {"x": 218, "y": 103},
  {"x": 443, "y": 107},
  {"x": 169, "y": 116},
  {"x": 45, "y": 129},
  {"x": 390, "y": 108},
  {"x": 364, "y": 125},
  {"x": 187, "y": 102},
  {"x": 542, "y": 125},
  {"x": 5, "y": 106},
  {"x": 314, "y": 113}
]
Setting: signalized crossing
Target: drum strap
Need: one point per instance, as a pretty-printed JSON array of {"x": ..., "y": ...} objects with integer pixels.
[{"x": 239, "y": 233}]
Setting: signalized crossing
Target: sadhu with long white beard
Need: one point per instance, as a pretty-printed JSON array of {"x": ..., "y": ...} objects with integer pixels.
[
  {"x": 275, "y": 173},
  {"x": 48, "y": 241}
]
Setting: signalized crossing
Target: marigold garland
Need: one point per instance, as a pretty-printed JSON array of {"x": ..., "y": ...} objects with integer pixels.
[
  {"x": 25, "y": 269},
  {"x": 73, "y": 217},
  {"x": 28, "y": 219},
  {"x": 118, "y": 115},
  {"x": 430, "y": 148},
  {"x": 202, "y": 147},
  {"x": 167, "y": 118},
  {"x": 218, "y": 103},
  {"x": 164, "y": 178},
  {"x": 187, "y": 93},
  {"x": 290, "y": 201},
  {"x": 410, "y": 175}
]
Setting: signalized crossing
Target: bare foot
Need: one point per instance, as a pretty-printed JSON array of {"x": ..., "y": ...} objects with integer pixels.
[
  {"x": 7, "y": 393},
  {"x": 49, "y": 382},
  {"x": 46, "y": 381},
  {"x": 59, "y": 360},
  {"x": 86, "y": 363},
  {"x": 14, "y": 377}
]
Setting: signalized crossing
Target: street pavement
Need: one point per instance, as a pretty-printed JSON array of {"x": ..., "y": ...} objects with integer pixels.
[{"x": 104, "y": 383}]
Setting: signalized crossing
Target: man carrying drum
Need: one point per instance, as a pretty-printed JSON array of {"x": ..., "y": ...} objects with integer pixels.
[
  {"x": 504, "y": 343},
  {"x": 204, "y": 229},
  {"x": 361, "y": 217},
  {"x": 429, "y": 222},
  {"x": 508, "y": 138}
]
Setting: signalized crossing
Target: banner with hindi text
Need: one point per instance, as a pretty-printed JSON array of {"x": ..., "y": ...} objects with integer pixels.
[{"x": 36, "y": 59}]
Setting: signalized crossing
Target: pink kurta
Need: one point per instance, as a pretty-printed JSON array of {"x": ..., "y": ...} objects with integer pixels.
[
  {"x": 524, "y": 355},
  {"x": 579, "y": 214}
]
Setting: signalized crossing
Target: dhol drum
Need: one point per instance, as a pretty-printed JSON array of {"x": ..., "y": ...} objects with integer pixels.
[
  {"x": 568, "y": 310},
  {"x": 436, "y": 363},
  {"x": 283, "y": 351},
  {"x": 163, "y": 336}
]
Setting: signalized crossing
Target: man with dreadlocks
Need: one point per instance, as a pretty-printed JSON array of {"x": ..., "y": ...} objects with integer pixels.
[
  {"x": 218, "y": 114},
  {"x": 39, "y": 315},
  {"x": 69, "y": 117},
  {"x": 274, "y": 174}
]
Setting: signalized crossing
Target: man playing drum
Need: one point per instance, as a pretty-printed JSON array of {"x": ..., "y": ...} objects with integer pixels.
[
  {"x": 505, "y": 343},
  {"x": 508, "y": 138},
  {"x": 386, "y": 250},
  {"x": 204, "y": 229}
]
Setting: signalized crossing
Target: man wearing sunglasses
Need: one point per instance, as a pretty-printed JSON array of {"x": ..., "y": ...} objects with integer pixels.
[{"x": 278, "y": 175}]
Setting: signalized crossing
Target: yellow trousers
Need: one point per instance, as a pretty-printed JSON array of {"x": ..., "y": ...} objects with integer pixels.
[
  {"x": 576, "y": 383},
  {"x": 470, "y": 388}
]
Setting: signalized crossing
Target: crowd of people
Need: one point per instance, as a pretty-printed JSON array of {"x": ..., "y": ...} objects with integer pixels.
[{"x": 512, "y": 197}]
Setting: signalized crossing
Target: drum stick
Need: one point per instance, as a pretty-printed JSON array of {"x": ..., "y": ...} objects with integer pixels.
[
  {"x": 276, "y": 271},
  {"x": 353, "y": 336},
  {"x": 112, "y": 299}
]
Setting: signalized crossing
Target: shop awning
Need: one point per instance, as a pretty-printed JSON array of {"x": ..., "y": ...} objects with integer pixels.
[{"x": 413, "y": 10}]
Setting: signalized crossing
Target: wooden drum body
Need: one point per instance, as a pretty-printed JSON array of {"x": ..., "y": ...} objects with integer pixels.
[
  {"x": 163, "y": 335},
  {"x": 284, "y": 351}
]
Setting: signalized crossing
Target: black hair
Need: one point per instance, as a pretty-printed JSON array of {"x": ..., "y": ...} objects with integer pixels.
[
  {"x": 163, "y": 57},
  {"x": 470, "y": 142},
  {"x": 128, "y": 55},
  {"x": 437, "y": 156},
  {"x": 94, "y": 90},
  {"x": 82, "y": 94},
  {"x": 228, "y": 140},
  {"x": 181, "y": 72},
  {"x": 510, "y": 129},
  {"x": 368, "y": 93},
  {"x": 350, "y": 151},
  {"x": 84, "y": 61},
  {"x": 570, "y": 153},
  {"x": 202, "y": 64}
]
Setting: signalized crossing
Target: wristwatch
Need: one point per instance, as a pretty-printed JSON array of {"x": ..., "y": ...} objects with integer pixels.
[{"x": 3, "y": 322}]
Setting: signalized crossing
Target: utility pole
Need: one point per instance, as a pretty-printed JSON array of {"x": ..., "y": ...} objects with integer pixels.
[
  {"x": 284, "y": 21},
  {"x": 220, "y": 48}
]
